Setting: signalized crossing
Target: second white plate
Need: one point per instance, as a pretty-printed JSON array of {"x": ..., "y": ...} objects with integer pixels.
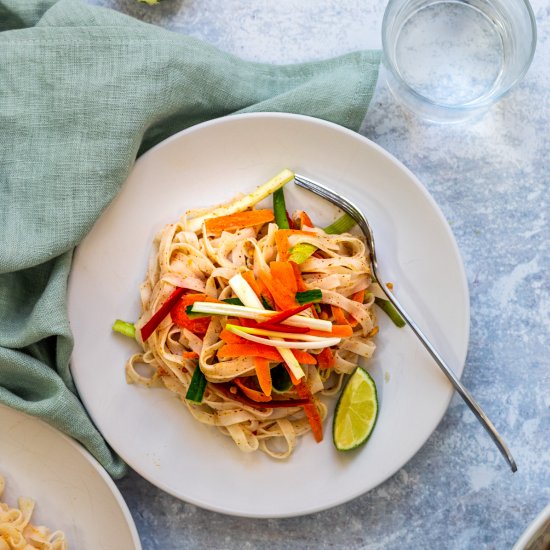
[
  {"x": 209, "y": 164},
  {"x": 73, "y": 493}
]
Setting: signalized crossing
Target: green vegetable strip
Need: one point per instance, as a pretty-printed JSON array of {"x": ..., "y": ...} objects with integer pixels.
[
  {"x": 123, "y": 327},
  {"x": 308, "y": 296},
  {"x": 196, "y": 387},
  {"x": 233, "y": 301},
  {"x": 280, "y": 379},
  {"x": 302, "y": 251},
  {"x": 342, "y": 225},
  {"x": 279, "y": 209},
  {"x": 193, "y": 314},
  {"x": 266, "y": 304},
  {"x": 387, "y": 307}
]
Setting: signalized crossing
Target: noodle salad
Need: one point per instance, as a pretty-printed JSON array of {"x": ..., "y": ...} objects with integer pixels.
[{"x": 251, "y": 315}]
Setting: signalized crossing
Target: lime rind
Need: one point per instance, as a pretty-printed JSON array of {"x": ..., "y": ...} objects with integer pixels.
[{"x": 356, "y": 412}]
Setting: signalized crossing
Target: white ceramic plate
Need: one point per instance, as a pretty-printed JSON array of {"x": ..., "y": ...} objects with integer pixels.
[
  {"x": 211, "y": 163},
  {"x": 71, "y": 490}
]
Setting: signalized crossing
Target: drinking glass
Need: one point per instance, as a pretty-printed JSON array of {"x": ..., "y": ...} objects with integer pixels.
[{"x": 450, "y": 60}]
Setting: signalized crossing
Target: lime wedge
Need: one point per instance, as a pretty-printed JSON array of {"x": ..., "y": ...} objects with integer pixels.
[{"x": 356, "y": 411}]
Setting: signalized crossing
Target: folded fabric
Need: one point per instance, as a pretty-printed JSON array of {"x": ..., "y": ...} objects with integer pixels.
[{"x": 83, "y": 92}]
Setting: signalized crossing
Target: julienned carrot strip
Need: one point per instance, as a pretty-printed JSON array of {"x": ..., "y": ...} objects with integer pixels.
[
  {"x": 265, "y": 295},
  {"x": 248, "y": 276},
  {"x": 258, "y": 287},
  {"x": 340, "y": 317},
  {"x": 303, "y": 357},
  {"x": 352, "y": 321},
  {"x": 312, "y": 413},
  {"x": 284, "y": 298},
  {"x": 246, "y": 348},
  {"x": 325, "y": 359},
  {"x": 358, "y": 296},
  {"x": 162, "y": 312},
  {"x": 282, "y": 244},
  {"x": 305, "y": 220},
  {"x": 314, "y": 311},
  {"x": 279, "y": 317},
  {"x": 295, "y": 381},
  {"x": 263, "y": 374},
  {"x": 338, "y": 314},
  {"x": 231, "y": 338},
  {"x": 252, "y": 394},
  {"x": 300, "y": 285},
  {"x": 283, "y": 274},
  {"x": 232, "y": 222},
  {"x": 190, "y": 355},
  {"x": 338, "y": 331}
]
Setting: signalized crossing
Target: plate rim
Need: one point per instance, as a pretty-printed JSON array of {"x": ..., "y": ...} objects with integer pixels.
[{"x": 466, "y": 322}]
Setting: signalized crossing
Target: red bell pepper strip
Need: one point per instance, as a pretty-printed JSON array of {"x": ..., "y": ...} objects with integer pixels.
[
  {"x": 163, "y": 311},
  {"x": 312, "y": 413},
  {"x": 278, "y": 317}
]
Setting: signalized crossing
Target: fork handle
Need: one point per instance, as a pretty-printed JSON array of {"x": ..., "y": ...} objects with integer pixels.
[
  {"x": 358, "y": 216},
  {"x": 455, "y": 381}
]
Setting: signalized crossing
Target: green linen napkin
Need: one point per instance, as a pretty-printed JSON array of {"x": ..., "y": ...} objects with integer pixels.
[{"x": 83, "y": 91}]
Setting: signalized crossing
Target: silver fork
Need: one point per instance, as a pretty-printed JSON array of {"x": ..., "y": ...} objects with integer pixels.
[{"x": 363, "y": 224}]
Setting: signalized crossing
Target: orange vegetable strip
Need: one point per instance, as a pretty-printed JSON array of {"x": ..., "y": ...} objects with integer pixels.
[
  {"x": 325, "y": 359},
  {"x": 279, "y": 317},
  {"x": 190, "y": 354},
  {"x": 358, "y": 296},
  {"x": 352, "y": 321},
  {"x": 284, "y": 299},
  {"x": 303, "y": 357},
  {"x": 338, "y": 331},
  {"x": 248, "y": 276},
  {"x": 305, "y": 220},
  {"x": 245, "y": 348},
  {"x": 263, "y": 373},
  {"x": 258, "y": 287},
  {"x": 252, "y": 394},
  {"x": 312, "y": 413},
  {"x": 250, "y": 349},
  {"x": 231, "y": 338},
  {"x": 232, "y": 222},
  {"x": 282, "y": 244},
  {"x": 295, "y": 381},
  {"x": 283, "y": 274},
  {"x": 339, "y": 316},
  {"x": 300, "y": 285}
]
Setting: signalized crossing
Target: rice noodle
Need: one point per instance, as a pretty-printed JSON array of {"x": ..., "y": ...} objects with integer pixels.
[{"x": 204, "y": 262}]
